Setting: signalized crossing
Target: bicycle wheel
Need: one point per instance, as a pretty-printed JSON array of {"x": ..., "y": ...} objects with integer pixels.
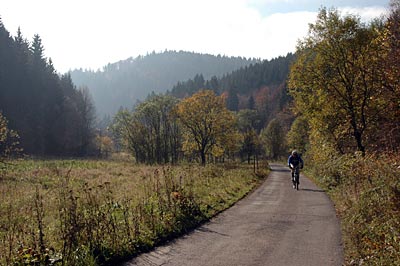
[
  {"x": 297, "y": 181},
  {"x": 294, "y": 181}
]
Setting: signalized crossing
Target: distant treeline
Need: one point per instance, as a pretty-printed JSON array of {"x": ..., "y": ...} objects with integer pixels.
[
  {"x": 252, "y": 118},
  {"x": 54, "y": 117},
  {"x": 244, "y": 80},
  {"x": 260, "y": 86},
  {"x": 51, "y": 116},
  {"x": 124, "y": 82}
]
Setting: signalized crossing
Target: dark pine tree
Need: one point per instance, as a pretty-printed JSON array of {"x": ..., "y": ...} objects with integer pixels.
[
  {"x": 46, "y": 110},
  {"x": 232, "y": 101},
  {"x": 251, "y": 103}
]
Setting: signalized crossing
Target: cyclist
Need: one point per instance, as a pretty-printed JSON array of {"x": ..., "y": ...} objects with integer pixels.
[{"x": 294, "y": 161}]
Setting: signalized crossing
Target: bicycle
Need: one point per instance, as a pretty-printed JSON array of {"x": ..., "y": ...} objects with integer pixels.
[{"x": 296, "y": 176}]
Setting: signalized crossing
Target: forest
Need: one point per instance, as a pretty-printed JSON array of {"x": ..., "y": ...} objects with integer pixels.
[
  {"x": 259, "y": 107},
  {"x": 123, "y": 83},
  {"x": 47, "y": 113},
  {"x": 351, "y": 106},
  {"x": 54, "y": 117}
]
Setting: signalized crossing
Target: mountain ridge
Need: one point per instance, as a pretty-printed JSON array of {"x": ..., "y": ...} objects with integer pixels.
[{"x": 125, "y": 82}]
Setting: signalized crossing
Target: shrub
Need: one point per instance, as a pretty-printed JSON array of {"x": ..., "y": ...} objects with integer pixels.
[
  {"x": 8, "y": 139},
  {"x": 366, "y": 191}
]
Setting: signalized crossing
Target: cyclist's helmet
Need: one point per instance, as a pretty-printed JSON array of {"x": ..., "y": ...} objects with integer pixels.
[{"x": 294, "y": 152}]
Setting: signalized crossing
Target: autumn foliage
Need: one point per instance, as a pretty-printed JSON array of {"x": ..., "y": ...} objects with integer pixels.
[
  {"x": 209, "y": 125},
  {"x": 345, "y": 85}
]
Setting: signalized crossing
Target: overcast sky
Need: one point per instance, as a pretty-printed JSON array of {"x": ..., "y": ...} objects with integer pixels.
[{"x": 92, "y": 33}]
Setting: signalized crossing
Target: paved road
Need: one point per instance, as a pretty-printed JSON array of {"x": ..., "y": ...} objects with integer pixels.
[{"x": 275, "y": 225}]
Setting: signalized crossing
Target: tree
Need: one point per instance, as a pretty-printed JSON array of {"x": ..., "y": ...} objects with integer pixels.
[
  {"x": 87, "y": 116},
  {"x": 249, "y": 144},
  {"x": 298, "y": 136},
  {"x": 334, "y": 79},
  {"x": 70, "y": 121},
  {"x": 388, "y": 133},
  {"x": 8, "y": 139},
  {"x": 104, "y": 145},
  {"x": 249, "y": 124},
  {"x": 232, "y": 100},
  {"x": 251, "y": 103},
  {"x": 162, "y": 131},
  {"x": 150, "y": 132},
  {"x": 249, "y": 120},
  {"x": 37, "y": 49},
  {"x": 207, "y": 122},
  {"x": 199, "y": 81},
  {"x": 273, "y": 138},
  {"x": 213, "y": 84},
  {"x": 124, "y": 132},
  {"x": 46, "y": 110}
]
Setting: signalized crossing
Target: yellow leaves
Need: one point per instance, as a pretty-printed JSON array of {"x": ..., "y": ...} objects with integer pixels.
[
  {"x": 210, "y": 126},
  {"x": 188, "y": 145},
  {"x": 232, "y": 141},
  {"x": 336, "y": 81},
  {"x": 202, "y": 107},
  {"x": 217, "y": 151},
  {"x": 104, "y": 144}
]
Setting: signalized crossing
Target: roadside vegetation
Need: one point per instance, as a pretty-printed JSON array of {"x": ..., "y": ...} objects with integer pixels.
[
  {"x": 82, "y": 212},
  {"x": 366, "y": 193},
  {"x": 346, "y": 94}
]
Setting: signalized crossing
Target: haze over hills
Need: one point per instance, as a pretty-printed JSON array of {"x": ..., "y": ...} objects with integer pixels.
[{"x": 124, "y": 82}]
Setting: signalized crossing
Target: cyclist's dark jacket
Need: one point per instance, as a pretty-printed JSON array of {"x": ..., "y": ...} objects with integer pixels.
[{"x": 295, "y": 161}]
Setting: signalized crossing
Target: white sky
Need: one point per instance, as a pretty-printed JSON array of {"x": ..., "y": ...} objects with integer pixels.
[{"x": 92, "y": 33}]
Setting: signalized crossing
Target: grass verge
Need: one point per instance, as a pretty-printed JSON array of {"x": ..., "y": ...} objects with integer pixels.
[
  {"x": 366, "y": 193},
  {"x": 82, "y": 212}
]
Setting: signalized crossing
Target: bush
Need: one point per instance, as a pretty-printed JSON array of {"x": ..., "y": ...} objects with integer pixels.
[
  {"x": 8, "y": 139},
  {"x": 366, "y": 191}
]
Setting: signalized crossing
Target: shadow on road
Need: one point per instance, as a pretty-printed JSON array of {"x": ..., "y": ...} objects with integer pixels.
[
  {"x": 206, "y": 230},
  {"x": 280, "y": 170},
  {"x": 313, "y": 190}
]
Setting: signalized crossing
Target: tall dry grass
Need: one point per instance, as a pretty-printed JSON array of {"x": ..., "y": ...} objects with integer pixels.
[
  {"x": 101, "y": 212},
  {"x": 366, "y": 192}
]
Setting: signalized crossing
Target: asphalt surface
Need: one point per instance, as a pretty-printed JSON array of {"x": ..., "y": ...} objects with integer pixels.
[{"x": 275, "y": 225}]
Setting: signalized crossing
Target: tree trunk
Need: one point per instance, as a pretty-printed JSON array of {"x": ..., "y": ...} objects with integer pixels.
[
  {"x": 203, "y": 158},
  {"x": 360, "y": 146}
]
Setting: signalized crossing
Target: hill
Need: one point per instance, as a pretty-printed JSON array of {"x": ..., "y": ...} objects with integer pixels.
[
  {"x": 260, "y": 86},
  {"x": 124, "y": 82}
]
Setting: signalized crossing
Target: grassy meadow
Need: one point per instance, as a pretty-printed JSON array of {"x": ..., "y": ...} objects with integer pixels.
[{"x": 87, "y": 212}]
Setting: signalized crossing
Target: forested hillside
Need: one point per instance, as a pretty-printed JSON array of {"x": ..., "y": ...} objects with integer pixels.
[
  {"x": 252, "y": 104},
  {"x": 51, "y": 116},
  {"x": 124, "y": 82},
  {"x": 260, "y": 86}
]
